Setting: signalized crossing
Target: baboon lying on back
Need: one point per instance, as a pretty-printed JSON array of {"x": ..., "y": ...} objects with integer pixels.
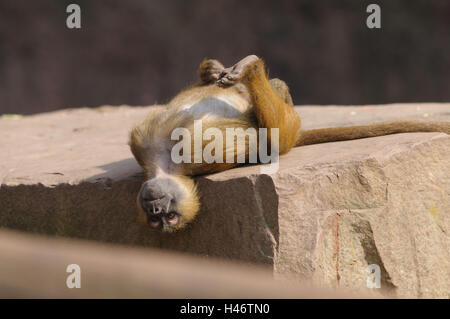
[{"x": 242, "y": 98}]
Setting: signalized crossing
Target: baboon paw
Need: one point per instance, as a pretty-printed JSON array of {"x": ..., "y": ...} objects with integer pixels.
[
  {"x": 234, "y": 74},
  {"x": 210, "y": 70}
]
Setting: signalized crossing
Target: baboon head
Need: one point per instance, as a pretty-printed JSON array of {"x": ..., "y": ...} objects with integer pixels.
[{"x": 167, "y": 203}]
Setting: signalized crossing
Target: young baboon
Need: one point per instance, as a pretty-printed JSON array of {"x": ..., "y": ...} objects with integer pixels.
[{"x": 239, "y": 97}]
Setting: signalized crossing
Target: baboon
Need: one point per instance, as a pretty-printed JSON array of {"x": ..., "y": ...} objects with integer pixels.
[{"x": 238, "y": 97}]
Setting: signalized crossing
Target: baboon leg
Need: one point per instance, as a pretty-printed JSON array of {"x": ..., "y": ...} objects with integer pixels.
[
  {"x": 271, "y": 106},
  {"x": 282, "y": 90}
]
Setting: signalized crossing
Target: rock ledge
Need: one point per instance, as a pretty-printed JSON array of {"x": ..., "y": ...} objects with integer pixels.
[{"x": 329, "y": 212}]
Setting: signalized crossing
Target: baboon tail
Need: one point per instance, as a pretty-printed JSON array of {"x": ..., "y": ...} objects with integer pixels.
[{"x": 334, "y": 134}]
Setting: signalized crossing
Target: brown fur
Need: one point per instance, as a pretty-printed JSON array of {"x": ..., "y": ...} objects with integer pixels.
[{"x": 270, "y": 109}]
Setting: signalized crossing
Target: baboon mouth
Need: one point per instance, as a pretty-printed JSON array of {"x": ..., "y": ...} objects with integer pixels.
[{"x": 157, "y": 206}]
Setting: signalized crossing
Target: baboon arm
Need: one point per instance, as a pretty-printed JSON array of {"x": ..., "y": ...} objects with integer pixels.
[
  {"x": 335, "y": 134},
  {"x": 270, "y": 110}
]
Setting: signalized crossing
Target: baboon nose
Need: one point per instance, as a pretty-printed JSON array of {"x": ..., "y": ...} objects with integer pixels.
[
  {"x": 156, "y": 206},
  {"x": 151, "y": 206}
]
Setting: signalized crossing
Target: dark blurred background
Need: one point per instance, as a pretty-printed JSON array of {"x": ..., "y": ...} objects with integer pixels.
[{"x": 139, "y": 52}]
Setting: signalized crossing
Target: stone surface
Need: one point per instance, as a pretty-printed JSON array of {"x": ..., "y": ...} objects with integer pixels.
[
  {"x": 35, "y": 267},
  {"x": 329, "y": 211}
]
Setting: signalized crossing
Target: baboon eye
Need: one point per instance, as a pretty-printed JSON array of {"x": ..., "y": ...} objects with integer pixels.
[{"x": 173, "y": 218}]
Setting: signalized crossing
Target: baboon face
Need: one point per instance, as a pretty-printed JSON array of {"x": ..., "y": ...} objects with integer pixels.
[
  {"x": 158, "y": 200},
  {"x": 167, "y": 203}
]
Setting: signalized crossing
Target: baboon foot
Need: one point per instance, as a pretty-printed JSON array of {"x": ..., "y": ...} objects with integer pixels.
[
  {"x": 234, "y": 74},
  {"x": 210, "y": 70}
]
